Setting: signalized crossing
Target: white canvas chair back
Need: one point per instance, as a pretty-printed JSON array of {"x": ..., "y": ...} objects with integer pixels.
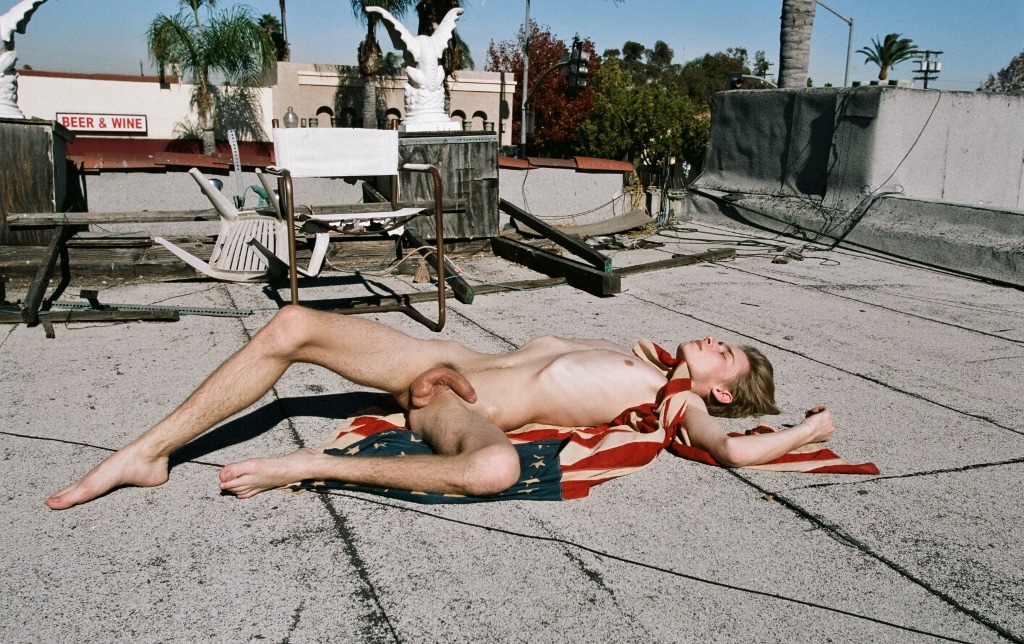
[
  {"x": 341, "y": 152},
  {"x": 336, "y": 152}
]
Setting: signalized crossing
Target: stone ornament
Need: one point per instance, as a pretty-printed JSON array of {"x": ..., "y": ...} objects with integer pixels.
[
  {"x": 13, "y": 21},
  {"x": 424, "y": 87}
]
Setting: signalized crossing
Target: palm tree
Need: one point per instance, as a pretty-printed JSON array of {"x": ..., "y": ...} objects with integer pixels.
[
  {"x": 270, "y": 24},
  {"x": 230, "y": 43},
  {"x": 284, "y": 32},
  {"x": 888, "y": 53},
  {"x": 795, "y": 42},
  {"x": 369, "y": 54}
]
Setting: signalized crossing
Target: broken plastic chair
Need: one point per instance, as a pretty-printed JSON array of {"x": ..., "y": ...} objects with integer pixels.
[
  {"x": 250, "y": 247},
  {"x": 349, "y": 152}
]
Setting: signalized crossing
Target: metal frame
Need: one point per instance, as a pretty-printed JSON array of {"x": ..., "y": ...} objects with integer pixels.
[{"x": 285, "y": 188}]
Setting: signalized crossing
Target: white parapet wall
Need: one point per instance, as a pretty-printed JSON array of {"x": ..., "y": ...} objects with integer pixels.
[{"x": 933, "y": 176}]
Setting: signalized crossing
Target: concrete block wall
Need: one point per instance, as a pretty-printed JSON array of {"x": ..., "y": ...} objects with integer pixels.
[{"x": 928, "y": 175}]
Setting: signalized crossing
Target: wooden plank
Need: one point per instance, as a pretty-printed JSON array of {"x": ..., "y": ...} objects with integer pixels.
[
  {"x": 713, "y": 255},
  {"x": 576, "y": 274},
  {"x": 571, "y": 243},
  {"x": 7, "y": 317},
  {"x": 41, "y": 219},
  {"x": 36, "y": 290},
  {"x": 367, "y": 301}
]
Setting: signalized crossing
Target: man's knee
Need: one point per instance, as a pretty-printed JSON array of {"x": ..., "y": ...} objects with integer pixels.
[
  {"x": 491, "y": 470},
  {"x": 290, "y": 329}
]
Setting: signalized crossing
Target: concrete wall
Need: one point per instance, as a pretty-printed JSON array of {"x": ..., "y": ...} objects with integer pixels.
[
  {"x": 163, "y": 105},
  {"x": 845, "y": 163},
  {"x": 564, "y": 196}
]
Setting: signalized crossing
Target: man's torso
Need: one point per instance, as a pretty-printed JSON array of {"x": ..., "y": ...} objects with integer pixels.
[{"x": 559, "y": 382}]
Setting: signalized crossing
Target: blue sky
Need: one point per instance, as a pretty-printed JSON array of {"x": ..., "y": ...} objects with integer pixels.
[{"x": 978, "y": 37}]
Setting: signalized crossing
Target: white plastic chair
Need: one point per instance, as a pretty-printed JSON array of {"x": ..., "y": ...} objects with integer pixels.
[
  {"x": 349, "y": 152},
  {"x": 250, "y": 247}
]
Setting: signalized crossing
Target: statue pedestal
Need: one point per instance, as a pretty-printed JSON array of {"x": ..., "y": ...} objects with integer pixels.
[
  {"x": 468, "y": 162},
  {"x": 33, "y": 172},
  {"x": 430, "y": 126}
]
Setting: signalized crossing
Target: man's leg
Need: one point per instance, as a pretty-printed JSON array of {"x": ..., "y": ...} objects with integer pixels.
[
  {"x": 360, "y": 350},
  {"x": 473, "y": 456}
]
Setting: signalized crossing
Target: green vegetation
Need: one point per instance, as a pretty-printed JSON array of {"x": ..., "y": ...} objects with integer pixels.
[
  {"x": 1009, "y": 79},
  {"x": 886, "y": 54},
  {"x": 231, "y": 44},
  {"x": 639, "y": 106}
]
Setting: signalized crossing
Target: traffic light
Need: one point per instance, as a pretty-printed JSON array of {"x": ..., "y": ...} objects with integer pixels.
[
  {"x": 578, "y": 61},
  {"x": 734, "y": 81}
]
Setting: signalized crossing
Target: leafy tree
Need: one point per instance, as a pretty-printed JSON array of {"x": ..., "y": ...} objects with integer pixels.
[
  {"x": 888, "y": 53},
  {"x": 643, "y": 123},
  {"x": 646, "y": 65},
  {"x": 795, "y": 42},
  {"x": 230, "y": 44},
  {"x": 369, "y": 53},
  {"x": 270, "y": 24},
  {"x": 557, "y": 114},
  {"x": 1009, "y": 79},
  {"x": 702, "y": 77}
]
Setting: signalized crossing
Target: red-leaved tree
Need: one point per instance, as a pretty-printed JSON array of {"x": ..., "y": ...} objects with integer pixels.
[{"x": 558, "y": 113}]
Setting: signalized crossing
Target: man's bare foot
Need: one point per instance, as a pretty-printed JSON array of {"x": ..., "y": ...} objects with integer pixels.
[
  {"x": 124, "y": 467},
  {"x": 246, "y": 479}
]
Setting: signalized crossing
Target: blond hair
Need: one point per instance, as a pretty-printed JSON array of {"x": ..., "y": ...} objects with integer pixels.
[{"x": 753, "y": 392}]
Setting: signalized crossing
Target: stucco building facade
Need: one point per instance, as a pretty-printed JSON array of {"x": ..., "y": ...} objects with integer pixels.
[{"x": 332, "y": 94}]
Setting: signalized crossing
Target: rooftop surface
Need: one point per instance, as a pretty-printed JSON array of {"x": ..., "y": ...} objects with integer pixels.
[{"x": 921, "y": 369}]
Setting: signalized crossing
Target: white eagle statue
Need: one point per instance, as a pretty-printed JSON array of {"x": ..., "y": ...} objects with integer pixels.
[
  {"x": 15, "y": 20},
  {"x": 424, "y": 87}
]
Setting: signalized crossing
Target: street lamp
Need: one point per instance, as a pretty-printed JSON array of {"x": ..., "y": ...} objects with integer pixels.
[{"x": 849, "y": 44}]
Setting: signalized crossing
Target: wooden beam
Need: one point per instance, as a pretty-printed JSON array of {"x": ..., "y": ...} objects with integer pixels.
[
  {"x": 41, "y": 219},
  {"x": 366, "y": 301},
  {"x": 36, "y": 290},
  {"x": 713, "y": 255},
  {"x": 576, "y": 274},
  {"x": 7, "y": 317},
  {"x": 571, "y": 243}
]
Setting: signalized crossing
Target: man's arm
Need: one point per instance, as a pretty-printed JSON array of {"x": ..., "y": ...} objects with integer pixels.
[{"x": 754, "y": 449}]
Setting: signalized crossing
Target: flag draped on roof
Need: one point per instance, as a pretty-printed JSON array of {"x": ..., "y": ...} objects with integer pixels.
[{"x": 559, "y": 463}]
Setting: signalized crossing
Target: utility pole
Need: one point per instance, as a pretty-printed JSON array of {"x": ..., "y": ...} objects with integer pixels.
[
  {"x": 929, "y": 69},
  {"x": 526, "y": 82}
]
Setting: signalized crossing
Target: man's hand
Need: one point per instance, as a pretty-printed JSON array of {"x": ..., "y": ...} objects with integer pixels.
[
  {"x": 819, "y": 420},
  {"x": 433, "y": 382}
]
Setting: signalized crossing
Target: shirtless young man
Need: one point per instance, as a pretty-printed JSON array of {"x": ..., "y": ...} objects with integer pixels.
[{"x": 460, "y": 400}]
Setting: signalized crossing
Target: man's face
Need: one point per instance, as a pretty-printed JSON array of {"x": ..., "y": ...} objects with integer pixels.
[{"x": 712, "y": 363}]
